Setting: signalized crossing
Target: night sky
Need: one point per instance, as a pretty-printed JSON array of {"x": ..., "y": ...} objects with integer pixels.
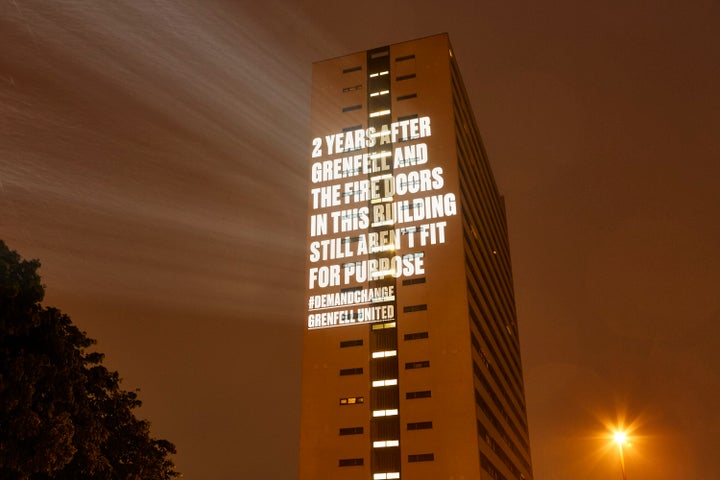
[{"x": 154, "y": 157}]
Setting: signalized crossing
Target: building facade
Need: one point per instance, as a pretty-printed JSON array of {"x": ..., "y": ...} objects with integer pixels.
[{"x": 411, "y": 363}]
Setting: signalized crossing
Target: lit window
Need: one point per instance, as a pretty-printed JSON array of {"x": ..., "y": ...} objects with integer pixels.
[
  {"x": 386, "y": 476},
  {"x": 384, "y": 383},
  {"x": 382, "y": 273},
  {"x": 380, "y": 326},
  {"x": 381, "y": 92},
  {"x": 379, "y": 74},
  {"x": 385, "y": 413},
  {"x": 351, "y": 400},
  {"x": 383, "y": 248},
  {"x": 384, "y": 353},
  {"x": 379, "y": 113},
  {"x": 386, "y": 443}
]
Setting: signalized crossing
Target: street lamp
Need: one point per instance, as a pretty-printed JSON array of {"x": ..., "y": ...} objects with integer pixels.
[{"x": 621, "y": 438}]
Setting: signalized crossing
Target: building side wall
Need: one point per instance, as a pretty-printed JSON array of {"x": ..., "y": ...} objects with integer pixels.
[{"x": 447, "y": 401}]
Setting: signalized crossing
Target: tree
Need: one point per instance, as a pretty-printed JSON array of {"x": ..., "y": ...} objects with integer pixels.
[{"x": 63, "y": 415}]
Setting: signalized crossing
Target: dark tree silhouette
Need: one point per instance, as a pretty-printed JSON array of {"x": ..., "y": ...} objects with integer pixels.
[{"x": 63, "y": 415}]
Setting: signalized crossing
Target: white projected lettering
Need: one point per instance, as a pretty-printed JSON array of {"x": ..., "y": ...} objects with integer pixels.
[{"x": 371, "y": 214}]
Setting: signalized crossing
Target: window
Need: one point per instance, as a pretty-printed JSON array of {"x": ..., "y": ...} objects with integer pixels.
[
  {"x": 384, "y": 383},
  {"x": 386, "y": 443},
  {"x": 383, "y": 340},
  {"x": 413, "y": 281},
  {"x": 416, "y": 335},
  {"x": 352, "y": 400},
  {"x": 407, "y": 117},
  {"x": 351, "y": 371},
  {"x": 406, "y": 97},
  {"x": 351, "y": 108},
  {"x": 380, "y": 326},
  {"x": 379, "y": 113},
  {"x": 350, "y": 462},
  {"x": 380, "y": 54},
  {"x": 405, "y": 77},
  {"x": 351, "y": 343},
  {"x": 421, "y": 457},
  {"x": 406, "y": 57},
  {"x": 352, "y": 431},
  {"x": 415, "y": 308},
  {"x": 384, "y": 428},
  {"x": 386, "y": 475},
  {"x": 384, "y": 398},
  {"x": 383, "y": 368},
  {"x": 411, "y": 365},
  {"x": 385, "y": 413},
  {"x": 383, "y": 354},
  {"x": 420, "y": 394},
  {"x": 352, "y": 69},
  {"x": 419, "y": 426},
  {"x": 352, "y": 89}
]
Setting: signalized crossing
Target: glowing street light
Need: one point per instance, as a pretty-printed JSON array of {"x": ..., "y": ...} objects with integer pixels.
[{"x": 620, "y": 438}]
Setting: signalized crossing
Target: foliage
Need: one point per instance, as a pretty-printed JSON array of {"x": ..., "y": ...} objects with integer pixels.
[{"x": 63, "y": 415}]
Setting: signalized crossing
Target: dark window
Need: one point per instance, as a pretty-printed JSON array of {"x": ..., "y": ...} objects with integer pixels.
[
  {"x": 413, "y": 281},
  {"x": 385, "y": 398},
  {"x": 407, "y": 117},
  {"x": 352, "y": 129},
  {"x": 351, "y": 108},
  {"x": 405, "y": 77},
  {"x": 383, "y": 53},
  {"x": 350, "y": 462},
  {"x": 351, "y": 343},
  {"x": 416, "y": 335},
  {"x": 386, "y": 459},
  {"x": 421, "y": 457},
  {"x": 385, "y": 339},
  {"x": 382, "y": 368},
  {"x": 352, "y": 89},
  {"x": 421, "y": 364},
  {"x": 352, "y": 69},
  {"x": 385, "y": 428},
  {"x": 419, "y": 425},
  {"x": 351, "y": 371},
  {"x": 406, "y": 97},
  {"x": 420, "y": 394},
  {"x": 415, "y": 308},
  {"x": 352, "y": 431},
  {"x": 406, "y": 57},
  {"x": 351, "y": 400}
]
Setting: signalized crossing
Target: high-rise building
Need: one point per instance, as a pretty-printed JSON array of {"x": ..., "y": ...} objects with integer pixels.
[{"x": 411, "y": 363}]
